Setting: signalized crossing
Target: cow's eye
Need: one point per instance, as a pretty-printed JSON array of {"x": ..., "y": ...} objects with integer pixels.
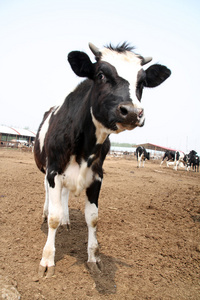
[{"x": 101, "y": 76}]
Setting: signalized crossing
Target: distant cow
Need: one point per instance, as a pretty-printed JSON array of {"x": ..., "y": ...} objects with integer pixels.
[
  {"x": 73, "y": 139},
  {"x": 142, "y": 155},
  {"x": 193, "y": 161},
  {"x": 174, "y": 158},
  {"x": 169, "y": 156}
]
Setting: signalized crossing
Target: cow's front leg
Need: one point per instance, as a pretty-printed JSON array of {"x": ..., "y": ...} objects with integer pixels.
[
  {"x": 176, "y": 165},
  {"x": 47, "y": 263},
  {"x": 91, "y": 217}
]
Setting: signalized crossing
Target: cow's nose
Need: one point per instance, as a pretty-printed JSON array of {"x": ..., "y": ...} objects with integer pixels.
[
  {"x": 131, "y": 114},
  {"x": 127, "y": 109}
]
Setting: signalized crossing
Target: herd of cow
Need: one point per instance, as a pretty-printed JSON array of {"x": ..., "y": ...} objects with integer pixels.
[{"x": 175, "y": 158}]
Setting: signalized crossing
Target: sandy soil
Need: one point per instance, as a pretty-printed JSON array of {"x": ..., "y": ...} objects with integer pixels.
[{"x": 148, "y": 230}]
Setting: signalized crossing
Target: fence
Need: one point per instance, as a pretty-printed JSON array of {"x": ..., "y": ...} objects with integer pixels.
[{"x": 16, "y": 145}]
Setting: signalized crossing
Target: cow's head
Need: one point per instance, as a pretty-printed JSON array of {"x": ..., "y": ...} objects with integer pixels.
[{"x": 119, "y": 79}]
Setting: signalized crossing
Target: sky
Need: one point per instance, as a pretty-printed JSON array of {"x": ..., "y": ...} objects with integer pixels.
[{"x": 37, "y": 35}]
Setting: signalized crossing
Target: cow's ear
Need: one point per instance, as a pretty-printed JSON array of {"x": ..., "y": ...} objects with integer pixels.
[
  {"x": 156, "y": 74},
  {"x": 81, "y": 64}
]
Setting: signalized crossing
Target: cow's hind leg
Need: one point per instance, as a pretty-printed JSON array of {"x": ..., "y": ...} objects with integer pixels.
[
  {"x": 143, "y": 162},
  {"x": 54, "y": 219},
  {"x": 46, "y": 203},
  {"x": 91, "y": 217},
  {"x": 65, "y": 209}
]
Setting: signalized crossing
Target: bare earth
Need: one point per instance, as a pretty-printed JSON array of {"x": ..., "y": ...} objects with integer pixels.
[{"x": 148, "y": 231}]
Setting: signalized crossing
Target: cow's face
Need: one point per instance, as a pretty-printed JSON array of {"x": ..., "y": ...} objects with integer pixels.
[{"x": 118, "y": 84}]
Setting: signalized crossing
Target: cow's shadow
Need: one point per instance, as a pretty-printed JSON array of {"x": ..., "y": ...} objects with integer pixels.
[{"x": 74, "y": 243}]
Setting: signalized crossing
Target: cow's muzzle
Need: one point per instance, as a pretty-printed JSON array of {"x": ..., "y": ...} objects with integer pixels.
[{"x": 130, "y": 116}]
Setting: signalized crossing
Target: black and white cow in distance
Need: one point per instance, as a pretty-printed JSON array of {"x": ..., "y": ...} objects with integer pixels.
[
  {"x": 174, "y": 158},
  {"x": 193, "y": 161},
  {"x": 142, "y": 155},
  {"x": 169, "y": 156},
  {"x": 73, "y": 139}
]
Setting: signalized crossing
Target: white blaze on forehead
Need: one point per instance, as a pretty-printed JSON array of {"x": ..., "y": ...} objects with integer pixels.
[{"x": 127, "y": 65}]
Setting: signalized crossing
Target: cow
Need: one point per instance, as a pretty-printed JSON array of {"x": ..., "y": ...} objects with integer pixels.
[
  {"x": 73, "y": 139},
  {"x": 169, "y": 156},
  {"x": 180, "y": 160},
  {"x": 141, "y": 155},
  {"x": 175, "y": 158},
  {"x": 193, "y": 161}
]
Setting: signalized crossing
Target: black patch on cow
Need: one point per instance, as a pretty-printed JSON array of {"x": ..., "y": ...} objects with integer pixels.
[
  {"x": 170, "y": 155},
  {"x": 51, "y": 178},
  {"x": 177, "y": 155},
  {"x": 140, "y": 83},
  {"x": 93, "y": 192}
]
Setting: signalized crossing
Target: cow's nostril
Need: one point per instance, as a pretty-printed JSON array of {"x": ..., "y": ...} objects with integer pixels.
[
  {"x": 123, "y": 110},
  {"x": 140, "y": 115}
]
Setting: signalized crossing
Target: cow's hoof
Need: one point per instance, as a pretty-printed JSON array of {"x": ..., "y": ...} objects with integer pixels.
[
  {"x": 44, "y": 219},
  {"x": 50, "y": 272},
  {"x": 47, "y": 272},
  {"x": 95, "y": 267},
  {"x": 69, "y": 227}
]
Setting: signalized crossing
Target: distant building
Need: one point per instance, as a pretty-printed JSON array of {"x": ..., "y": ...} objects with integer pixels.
[{"x": 8, "y": 134}]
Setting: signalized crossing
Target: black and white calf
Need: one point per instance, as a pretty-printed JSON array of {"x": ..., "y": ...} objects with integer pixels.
[
  {"x": 142, "y": 155},
  {"x": 73, "y": 139}
]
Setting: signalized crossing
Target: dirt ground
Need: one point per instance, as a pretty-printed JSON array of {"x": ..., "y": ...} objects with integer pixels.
[{"x": 148, "y": 231}]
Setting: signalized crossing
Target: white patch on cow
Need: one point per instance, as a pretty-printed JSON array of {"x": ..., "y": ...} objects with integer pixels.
[
  {"x": 46, "y": 203},
  {"x": 65, "y": 209},
  {"x": 179, "y": 161},
  {"x": 43, "y": 131},
  {"x": 98, "y": 178},
  {"x": 127, "y": 65},
  {"x": 91, "y": 217},
  {"x": 91, "y": 156},
  {"x": 77, "y": 177},
  {"x": 57, "y": 109}
]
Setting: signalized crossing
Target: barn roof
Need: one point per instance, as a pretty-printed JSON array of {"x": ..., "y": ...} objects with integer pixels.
[
  {"x": 17, "y": 131},
  {"x": 154, "y": 147}
]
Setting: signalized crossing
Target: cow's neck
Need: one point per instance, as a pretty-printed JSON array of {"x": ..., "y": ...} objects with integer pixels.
[{"x": 101, "y": 132}]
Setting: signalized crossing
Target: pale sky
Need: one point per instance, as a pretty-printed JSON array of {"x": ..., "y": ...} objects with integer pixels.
[{"x": 37, "y": 35}]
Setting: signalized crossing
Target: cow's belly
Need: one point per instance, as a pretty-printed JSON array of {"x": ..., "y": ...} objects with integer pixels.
[{"x": 77, "y": 177}]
